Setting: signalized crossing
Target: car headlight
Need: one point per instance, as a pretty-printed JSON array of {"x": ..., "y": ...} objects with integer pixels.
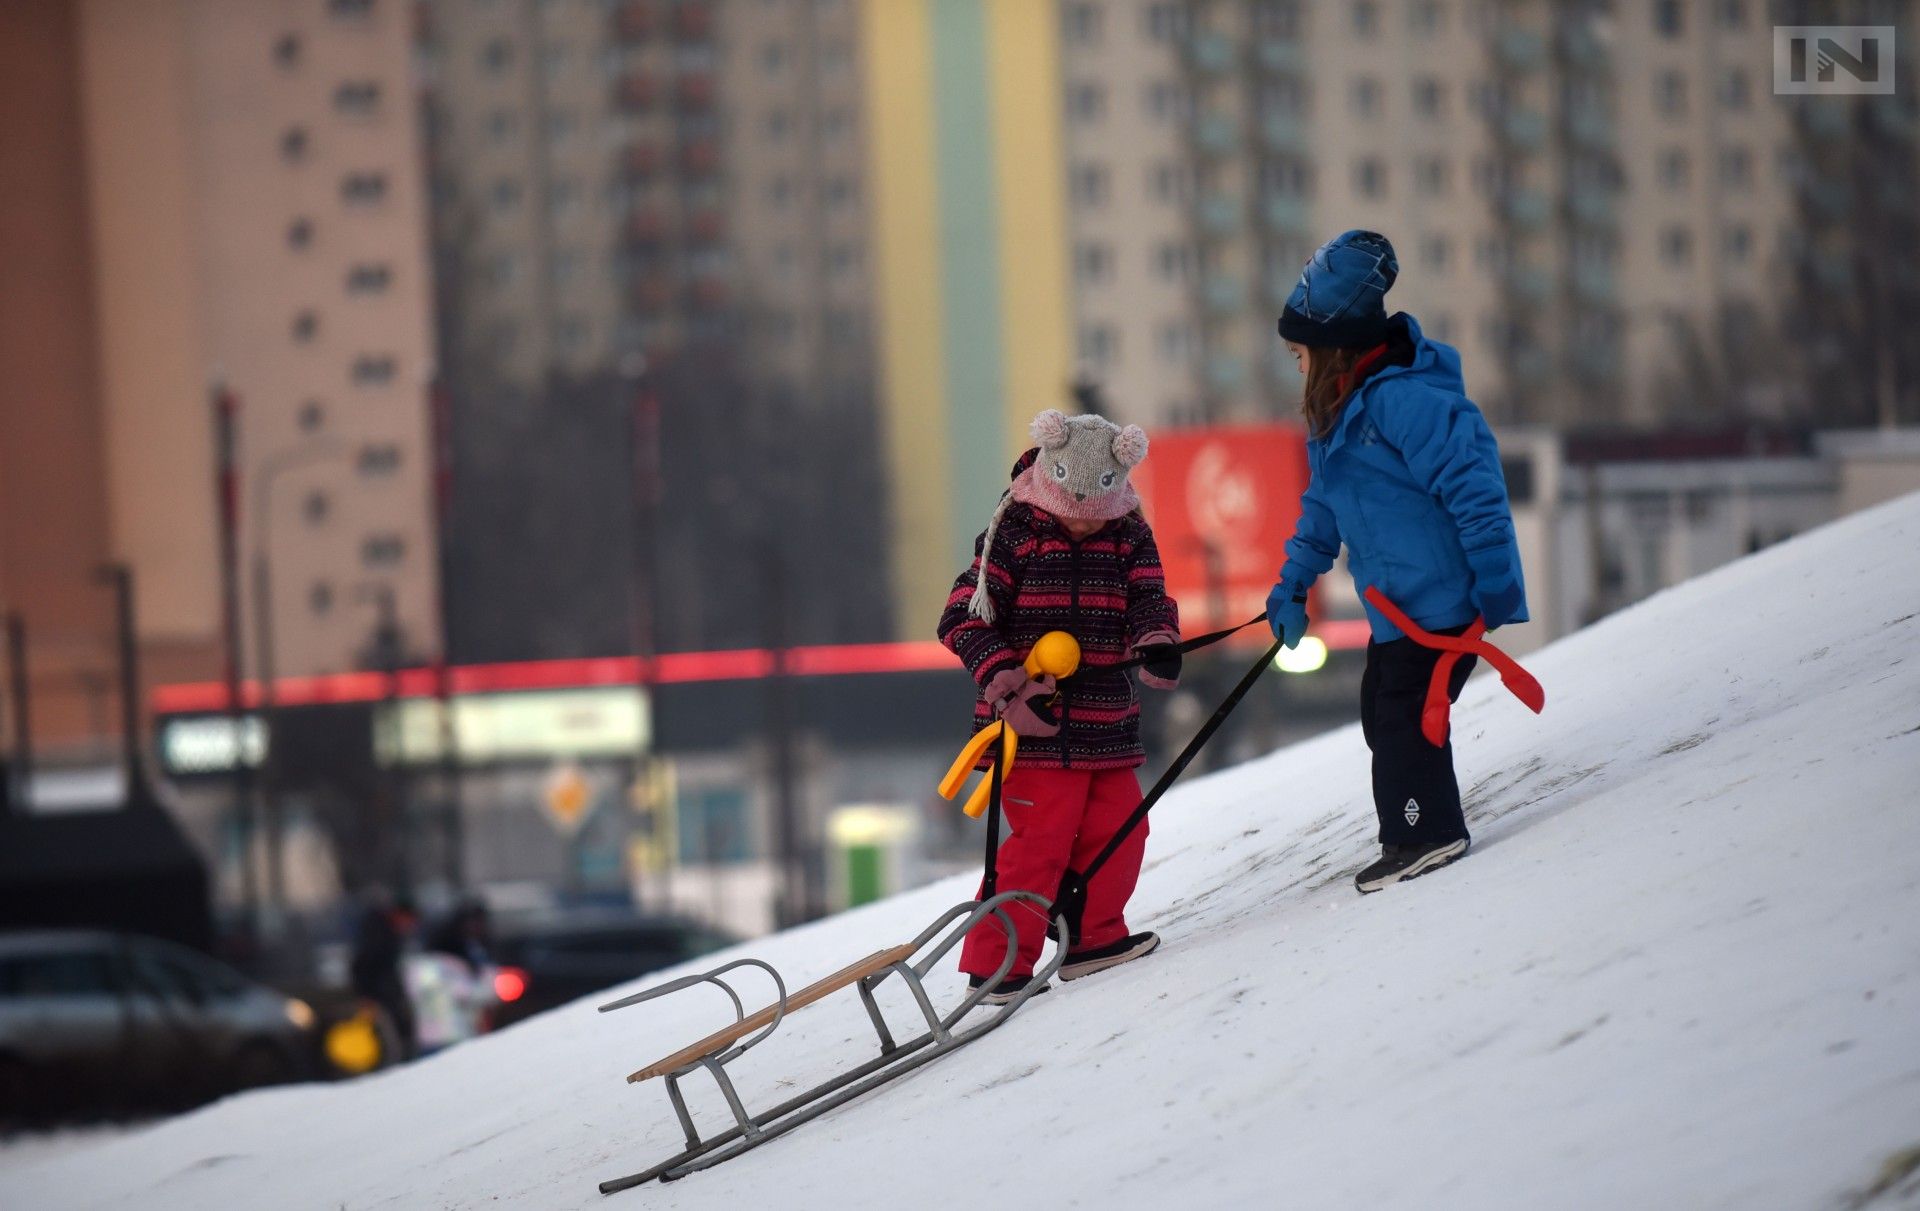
[{"x": 300, "y": 1014}]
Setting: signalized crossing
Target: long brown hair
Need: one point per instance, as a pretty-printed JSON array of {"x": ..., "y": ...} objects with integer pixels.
[{"x": 1329, "y": 371}]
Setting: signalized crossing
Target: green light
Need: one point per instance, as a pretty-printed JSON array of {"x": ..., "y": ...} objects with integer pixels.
[{"x": 1309, "y": 657}]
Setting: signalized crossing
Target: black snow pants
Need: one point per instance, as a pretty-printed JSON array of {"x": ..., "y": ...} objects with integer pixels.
[{"x": 1414, "y": 790}]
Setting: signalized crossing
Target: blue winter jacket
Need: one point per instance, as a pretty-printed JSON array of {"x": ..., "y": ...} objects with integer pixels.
[{"x": 1410, "y": 480}]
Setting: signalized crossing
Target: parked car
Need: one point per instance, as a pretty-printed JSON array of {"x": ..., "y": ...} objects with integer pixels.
[
  {"x": 96, "y": 1022},
  {"x": 544, "y": 962}
]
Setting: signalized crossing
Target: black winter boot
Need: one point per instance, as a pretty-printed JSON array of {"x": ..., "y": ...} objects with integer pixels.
[{"x": 1401, "y": 862}]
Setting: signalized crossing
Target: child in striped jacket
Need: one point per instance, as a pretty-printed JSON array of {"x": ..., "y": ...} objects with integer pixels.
[{"x": 1067, "y": 550}]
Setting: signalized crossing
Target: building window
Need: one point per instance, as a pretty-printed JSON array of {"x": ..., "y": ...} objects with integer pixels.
[
  {"x": 1736, "y": 167},
  {"x": 1173, "y": 261},
  {"x": 564, "y": 267},
  {"x": 1099, "y": 344},
  {"x": 364, "y": 188},
  {"x": 1169, "y": 183},
  {"x": 1436, "y": 251},
  {"x": 837, "y": 125},
  {"x": 1429, "y": 97},
  {"x": 380, "y": 458},
  {"x": 572, "y": 332},
  {"x": 1736, "y": 90},
  {"x": 1090, "y": 184},
  {"x": 300, "y": 234},
  {"x": 502, "y": 125},
  {"x": 357, "y": 98},
  {"x": 306, "y": 326},
  {"x": 502, "y": 269},
  {"x": 369, "y": 278},
  {"x": 1081, "y": 22},
  {"x": 286, "y": 50},
  {"x": 496, "y": 57},
  {"x": 1370, "y": 177},
  {"x": 1176, "y": 342},
  {"x": 1675, "y": 169},
  {"x": 1092, "y": 263},
  {"x": 1366, "y": 18},
  {"x": 506, "y": 195},
  {"x": 1670, "y": 94},
  {"x": 382, "y": 550},
  {"x": 312, "y": 415},
  {"x": 1364, "y": 97},
  {"x": 1166, "y": 21},
  {"x": 1167, "y": 100},
  {"x": 1426, "y": 16},
  {"x": 563, "y": 199},
  {"x": 562, "y": 125},
  {"x": 294, "y": 144},
  {"x": 1430, "y": 175},
  {"x": 773, "y": 57},
  {"x": 315, "y": 507},
  {"x": 1086, "y": 101},
  {"x": 370, "y": 370},
  {"x": 1277, "y": 19},
  {"x": 843, "y": 260},
  {"x": 1676, "y": 247},
  {"x": 1669, "y": 18},
  {"x": 1738, "y": 243},
  {"x": 1733, "y": 14},
  {"x": 839, "y": 193},
  {"x": 320, "y": 598}
]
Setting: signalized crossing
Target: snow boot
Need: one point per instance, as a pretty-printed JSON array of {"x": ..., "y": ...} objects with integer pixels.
[
  {"x": 1086, "y": 962},
  {"x": 1401, "y": 862},
  {"x": 1008, "y": 989}
]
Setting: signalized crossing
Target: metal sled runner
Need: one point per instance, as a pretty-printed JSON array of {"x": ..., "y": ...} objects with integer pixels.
[{"x": 896, "y": 1058}]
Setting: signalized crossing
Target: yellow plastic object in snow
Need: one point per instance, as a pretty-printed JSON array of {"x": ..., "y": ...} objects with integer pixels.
[
  {"x": 353, "y": 1045},
  {"x": 1055, "y": 654}
]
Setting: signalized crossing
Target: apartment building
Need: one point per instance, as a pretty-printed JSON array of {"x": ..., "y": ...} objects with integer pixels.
[{"x": 1601, "y": 204}]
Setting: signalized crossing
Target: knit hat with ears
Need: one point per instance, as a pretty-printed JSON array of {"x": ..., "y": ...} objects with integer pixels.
[{"x": 1079, "y": 471}]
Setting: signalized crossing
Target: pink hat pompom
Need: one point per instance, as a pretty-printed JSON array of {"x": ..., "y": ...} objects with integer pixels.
[
  {"x": 1050, "y": 428},
  {"x": 1130, "y": 445}
]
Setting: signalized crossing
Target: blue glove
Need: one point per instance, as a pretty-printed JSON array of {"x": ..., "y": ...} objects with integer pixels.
[
  {"x": 1287, "y": 613},
  {"x": 1497, "y": 592}
]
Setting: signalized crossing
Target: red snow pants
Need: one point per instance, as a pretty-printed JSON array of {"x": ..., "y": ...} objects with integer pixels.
[{"x": 1056, "y": 819}]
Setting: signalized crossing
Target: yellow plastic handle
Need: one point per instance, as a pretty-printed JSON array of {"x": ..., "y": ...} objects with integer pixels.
[
  {"x": 1055, "y": 652},
  {"x": 970, "y": 756}
]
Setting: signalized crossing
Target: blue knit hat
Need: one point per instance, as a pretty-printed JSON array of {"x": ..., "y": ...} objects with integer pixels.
[{"x": 1340, "y": 299}]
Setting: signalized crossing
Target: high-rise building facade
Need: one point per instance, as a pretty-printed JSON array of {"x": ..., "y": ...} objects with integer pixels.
[{"x": 1601, "y": 204}]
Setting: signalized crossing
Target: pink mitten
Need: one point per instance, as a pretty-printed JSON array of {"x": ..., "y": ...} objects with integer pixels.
[
  {"x": 1164, "y": 673},
  {"x": 1022, "y": 701}
]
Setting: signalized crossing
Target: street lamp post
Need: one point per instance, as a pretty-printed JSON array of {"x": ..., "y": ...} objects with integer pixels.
[
  {"x": 226, "y": 416},
  {"x": 270, "y": 807}
]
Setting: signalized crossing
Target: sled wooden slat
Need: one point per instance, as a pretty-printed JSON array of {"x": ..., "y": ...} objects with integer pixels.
[{"x": 721, "y": 1039}]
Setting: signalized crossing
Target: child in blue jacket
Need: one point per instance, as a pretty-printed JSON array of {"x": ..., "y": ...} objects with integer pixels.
[{"x": 1407, "y": 475}]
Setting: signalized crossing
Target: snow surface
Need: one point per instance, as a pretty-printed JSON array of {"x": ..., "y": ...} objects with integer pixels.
[{"x": 1678, "y": 970}]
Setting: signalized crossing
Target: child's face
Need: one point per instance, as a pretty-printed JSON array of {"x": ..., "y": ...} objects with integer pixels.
[{"x": 1302, "y": 360}]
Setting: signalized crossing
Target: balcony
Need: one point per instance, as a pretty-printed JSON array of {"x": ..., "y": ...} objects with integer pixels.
[
  {"x": 1219, "y": 214},
  {"x": 700, "y": 156},
  {"x": 1216, "y": 134},
  {"x": 693, "y": 20},
  {"x": 634, "y": 21},
  {"x": 1591, "y": 207},
  {"x": 1520, "y": 50},
  {"x": 638, "y": 92},
  {"x": 1283, "y": 135},
  {"x": 646, "y": 226},
  {"x": 1222, "y": 294},
  {"x": 1524, "y": 129},
  {"x": 1528, "y": 283},
  {"x": 1225, "y": 372},
  {"x": 1285, "y": 215},
  {"x": 695, "y": 91},
  {"x": 1590, "y": 129},
  {"x": 1593, "y": 284},
  {"x": 641, "y": 160},
  {"x": 1581, "y": 49},
  {"x": 1525, "y": 208},
  {"x": 706, "y": 225},
  {"x": 1210, "y": 52},
  {"x": 1280, "y": 58}
]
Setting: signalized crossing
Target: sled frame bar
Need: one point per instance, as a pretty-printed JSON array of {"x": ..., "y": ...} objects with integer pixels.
[{"x": 896, "y": 1058}]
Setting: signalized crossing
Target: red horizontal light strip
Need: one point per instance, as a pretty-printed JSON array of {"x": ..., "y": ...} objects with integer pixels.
[{"x": 673, "y": 668}]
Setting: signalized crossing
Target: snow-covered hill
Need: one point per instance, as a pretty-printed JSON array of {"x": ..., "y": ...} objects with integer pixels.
[{"x": 1680, "y": 969}]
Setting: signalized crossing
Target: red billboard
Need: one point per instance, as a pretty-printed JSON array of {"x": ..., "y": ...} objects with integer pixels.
[{"x": 1223, "y": 501}]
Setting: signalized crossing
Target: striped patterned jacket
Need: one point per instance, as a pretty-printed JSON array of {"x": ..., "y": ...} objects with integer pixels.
[{"x": 1107, "y": 590}]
